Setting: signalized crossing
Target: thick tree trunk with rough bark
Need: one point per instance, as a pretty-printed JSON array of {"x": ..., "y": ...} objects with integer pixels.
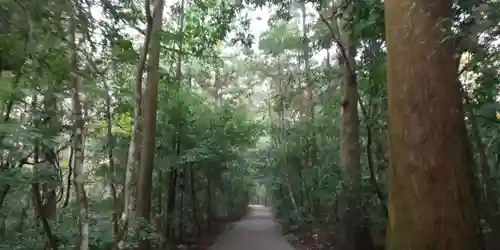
[{"x": 431, "y": 201}]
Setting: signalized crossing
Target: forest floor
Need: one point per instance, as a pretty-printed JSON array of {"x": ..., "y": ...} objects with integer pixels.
[
  {"x": 257, "y": 230},
  {"x": 317, "y": 238}
]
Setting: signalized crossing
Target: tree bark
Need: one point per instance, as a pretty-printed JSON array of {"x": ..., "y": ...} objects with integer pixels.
[
  {"x": 354, "y": 234},
  {"x": 431, "y": 202},
  {"x": 78, "y": 168},
  {"x": 79, "y": 178},
  {"x": 128, "y": 194},
  {"x": 149, "y": 123}
]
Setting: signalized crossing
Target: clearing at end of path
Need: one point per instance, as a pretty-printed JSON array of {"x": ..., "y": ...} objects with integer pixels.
[{"x": 257, "y": 231}]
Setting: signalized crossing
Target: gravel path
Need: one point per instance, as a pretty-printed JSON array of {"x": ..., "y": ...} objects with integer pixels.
[{"x": 258, "y": 231}]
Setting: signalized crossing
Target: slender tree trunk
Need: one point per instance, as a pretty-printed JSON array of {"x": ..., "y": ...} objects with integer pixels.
[
  {"x": 51, "y": 127},
  {"x": 309, "y": 112},
  {"x": 38, "y": 202},
  {"x": 111, "y": 162},
  {"x": 172, "y": 190},
  {"x": 182, "y": 185},
  {"x": 78, "y": 172},
  {"x": 210, "y": 202},
  {"x": 355, "y": 234},
  {"x": 194, "y": 201},
  {"x": 52, "y": 240},
  {"x": 127, "y": 195},
  {"x": 70, "y": 175},
  {"x": 149, "y": 123},
  {"x": 431, "y": 201},
  {"x": 489, "y": 194}
]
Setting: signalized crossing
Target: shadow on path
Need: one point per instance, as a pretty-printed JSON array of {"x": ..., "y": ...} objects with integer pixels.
[{"x": 257, "y": 231}]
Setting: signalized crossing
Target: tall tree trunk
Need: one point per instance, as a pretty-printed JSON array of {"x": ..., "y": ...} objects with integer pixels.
[
  {"x": 311, "y": 144},
  {"x": 487, "y": 192},
  {"x": 176, "y": 172},
  {"x": 194, "y": 201},
  {"x": 149, "y": 122},
  {"x": 111, "y": 162},
  {"x": 52, "y": 239},
  {"x": 37, "y": 198},
  {"x": 127, "y": 195},
  {"x": 182, "y": 185},
  {"x": 431, "y": 201},
  {"x": 70, "y": 175},
  {"x": 78, "y": 172},
  {"x": 51, "y": 126},
  {"x": 209, "y": 194},
  {"x": 172, "y": 190},
  {"x": 354, "y": 234}
]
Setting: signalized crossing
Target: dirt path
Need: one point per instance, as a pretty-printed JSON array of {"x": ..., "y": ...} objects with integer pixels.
[{"x": 258, "y": 231}]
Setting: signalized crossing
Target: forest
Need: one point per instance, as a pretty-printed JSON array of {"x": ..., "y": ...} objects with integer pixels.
[{"x": 152, "y": 124}]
